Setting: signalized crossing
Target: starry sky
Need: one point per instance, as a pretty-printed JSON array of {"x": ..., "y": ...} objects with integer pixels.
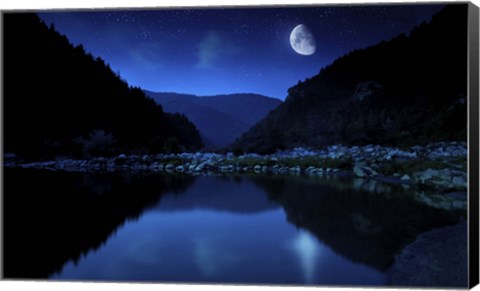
[{"x": 229, "y": 50}]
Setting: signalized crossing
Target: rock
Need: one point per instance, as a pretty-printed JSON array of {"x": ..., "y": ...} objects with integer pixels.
[
  {"x": 169, "y": 167},
  {"x": 438, "y": 257},
  {"x": 423, "y": 177},
  {"x": 200, "y": 166},
  {"x": 459, "y": 182},
  {"x": 227, "y": 168},
  {"x": 210, "y": 164},
  {"x": 364, "y": 171},
  {"x": 257, "y": 168},
  {"x": 296, "y": 169},
  {"x": 180, "y": 168},
  {"x": 459, "y": 204},
  {"x": 60, "y": 166},
  {"x": 437, "y": 179},
  {"x": 368, "y": 148},
  {"x": 301, "y": 152},
  {"x": 406, "y": 178},
  {"x": 120, "y": 159}
]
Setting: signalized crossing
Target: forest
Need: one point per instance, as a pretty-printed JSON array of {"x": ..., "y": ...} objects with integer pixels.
[
  {"x": 61, "y": 101},
  {"x": 410, "y": 90}
]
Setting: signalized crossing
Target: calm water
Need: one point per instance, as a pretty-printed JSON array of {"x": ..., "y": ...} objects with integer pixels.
[{"x": 273, "y": 230}]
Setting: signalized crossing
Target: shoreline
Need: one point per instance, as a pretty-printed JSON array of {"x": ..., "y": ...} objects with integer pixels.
[
  {"x": 439, "y": 167},
  {"x": 437, "y": 257}
]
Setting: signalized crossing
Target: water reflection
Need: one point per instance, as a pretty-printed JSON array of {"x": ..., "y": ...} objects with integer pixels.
[
  {"x": 211, "y": 259},
  {"x": 226, "y": 194},
  {"x": 360, "y": 223},
  {"x": 53, "y": 217},
  {"x": 308, "y": 250},
  {"x": 259, "y": 229}
]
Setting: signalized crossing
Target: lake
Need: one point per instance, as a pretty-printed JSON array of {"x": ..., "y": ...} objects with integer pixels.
[{"x": 288, "y": 230}]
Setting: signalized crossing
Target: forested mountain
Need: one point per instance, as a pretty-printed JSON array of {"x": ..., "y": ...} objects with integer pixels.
[
  {"x": 60, "y": 100},
  {"x": 220, "y": 118},
  {"x": 409, "y": 90}
]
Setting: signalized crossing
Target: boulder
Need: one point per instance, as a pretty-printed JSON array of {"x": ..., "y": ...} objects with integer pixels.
[
  {"x": 180, "y": 168},
  {"x": 364, "y": 171},
  {"x": 169, "y": 167},
  {"x": 437, "y": 179},
  {"x": 459, "y": 182}
]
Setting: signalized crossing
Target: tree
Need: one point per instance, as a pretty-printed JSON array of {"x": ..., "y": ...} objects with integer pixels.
[{"x": 98, "y": 143}]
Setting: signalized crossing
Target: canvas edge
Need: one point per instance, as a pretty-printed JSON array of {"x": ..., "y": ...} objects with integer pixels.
[
  {"x": 1, "y": 147},
  {"x": 473, "y": 143},
  {"x": 473, "y": 112}
]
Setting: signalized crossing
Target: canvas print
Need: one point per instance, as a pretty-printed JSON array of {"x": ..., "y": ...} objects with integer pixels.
[{"x": 283, "y": 145}]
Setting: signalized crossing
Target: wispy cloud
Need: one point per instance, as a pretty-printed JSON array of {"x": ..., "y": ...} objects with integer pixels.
[
  {"x": 147, "y": 56},
  {"x": 209, "y": 49}
]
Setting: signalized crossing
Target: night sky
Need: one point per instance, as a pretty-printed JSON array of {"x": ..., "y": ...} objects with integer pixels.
[{"x": 221, "y": 51}]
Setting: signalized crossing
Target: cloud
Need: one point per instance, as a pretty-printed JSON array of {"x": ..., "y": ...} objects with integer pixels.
[
  {"x": 147, "y": 56},
  {"x": 209, "y": 49}
]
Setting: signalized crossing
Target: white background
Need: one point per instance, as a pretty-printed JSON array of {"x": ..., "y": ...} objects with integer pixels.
[{"x": 46, "y": 4}]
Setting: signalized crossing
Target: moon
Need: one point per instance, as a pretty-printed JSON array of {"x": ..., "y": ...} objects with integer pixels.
[{"x": 302, "y": 40}]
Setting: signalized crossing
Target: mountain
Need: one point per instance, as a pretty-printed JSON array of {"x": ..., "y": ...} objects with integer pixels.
[
  {"x": 409, "y": 90},
  {"x": 220, "y": 118},
  {"x": 60, "y": 100}
]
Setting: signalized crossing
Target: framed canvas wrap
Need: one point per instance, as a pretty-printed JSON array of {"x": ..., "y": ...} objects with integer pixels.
[{"x": 290, "y": 145}]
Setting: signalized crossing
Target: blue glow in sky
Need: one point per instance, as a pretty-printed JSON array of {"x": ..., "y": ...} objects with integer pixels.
[{"x": 222, "y": 51}]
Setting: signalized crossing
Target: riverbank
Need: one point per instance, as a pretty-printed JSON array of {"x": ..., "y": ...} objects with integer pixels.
[
  {"x": 436, "y": 258},
  {"x": 439, "y": 167}
]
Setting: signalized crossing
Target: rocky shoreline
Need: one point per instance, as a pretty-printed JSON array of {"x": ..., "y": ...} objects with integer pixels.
[
  {"x": 439, "y": 166},
  {"x": 436, "y": 258}
]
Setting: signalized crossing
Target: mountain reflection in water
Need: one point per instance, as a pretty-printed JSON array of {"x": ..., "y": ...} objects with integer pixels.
[{"x": 233, "y": 229}]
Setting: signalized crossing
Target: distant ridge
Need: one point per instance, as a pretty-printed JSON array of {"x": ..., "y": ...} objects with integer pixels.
[{"x": 220, "y": 118}]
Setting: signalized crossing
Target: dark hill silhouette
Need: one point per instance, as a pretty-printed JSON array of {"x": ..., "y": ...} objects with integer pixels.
[
  {"x": 409, "y": 90},
  {"x": 59, "y": 98},
  {"x": 220, "y": 118}
]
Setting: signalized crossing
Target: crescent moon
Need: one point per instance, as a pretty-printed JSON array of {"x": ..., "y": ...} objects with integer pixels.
[{"x": 302, "y": 40}]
